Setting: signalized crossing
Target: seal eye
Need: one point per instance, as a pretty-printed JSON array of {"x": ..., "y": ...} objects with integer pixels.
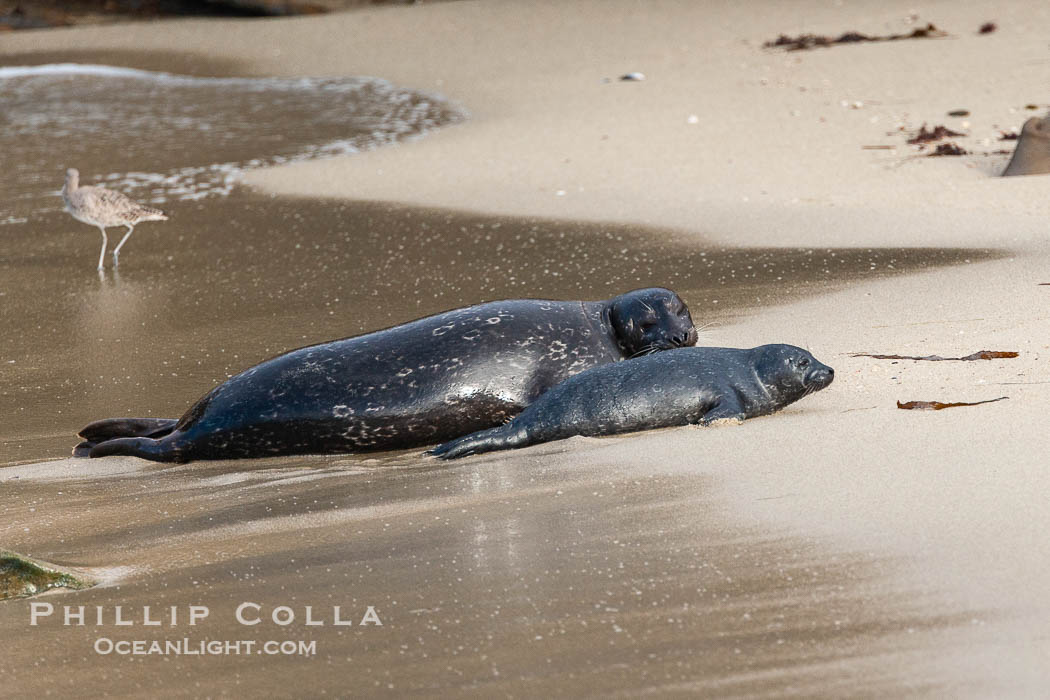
[{"x": 804, "y": 362}]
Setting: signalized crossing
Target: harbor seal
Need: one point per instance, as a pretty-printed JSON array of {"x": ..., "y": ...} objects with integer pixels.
[
  {"x": 690, "y": 385},
  {"x": 1032, "y": 153},
  {"x": 419, "y": 383}
]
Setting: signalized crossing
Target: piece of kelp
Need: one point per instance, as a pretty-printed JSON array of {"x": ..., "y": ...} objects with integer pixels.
[
  {"x": 979, "y": 355},
  {"x": 937, "y": 133},
  {"x": 803, "y": 42},
  {"x": 949, "y": 149},
  {"x": 20, "y": 577},
  {"x": 937, "y": 405}
]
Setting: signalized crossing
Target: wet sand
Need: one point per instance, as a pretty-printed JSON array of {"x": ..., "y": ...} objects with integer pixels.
[
  {"x": 840, "y": 548},
  {"x": 490, "y": 577}
]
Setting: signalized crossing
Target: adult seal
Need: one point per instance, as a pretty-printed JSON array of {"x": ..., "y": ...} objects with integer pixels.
[
  {"x": 691, "y": 385},
  {"x": 419, "y": 383},
  {"x": 1032, "y": 154}
]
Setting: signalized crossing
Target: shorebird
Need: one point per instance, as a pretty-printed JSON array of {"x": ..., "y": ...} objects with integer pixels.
[{"x": 100, "y": 207}]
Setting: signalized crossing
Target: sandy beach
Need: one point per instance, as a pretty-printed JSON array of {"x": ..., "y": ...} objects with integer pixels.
[{"x": 840, "y": 548}]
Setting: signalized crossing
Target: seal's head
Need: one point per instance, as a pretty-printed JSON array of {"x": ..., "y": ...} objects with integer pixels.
[
  {"x": 650, "y": 320},
  {"x": 790, "y": 373}
]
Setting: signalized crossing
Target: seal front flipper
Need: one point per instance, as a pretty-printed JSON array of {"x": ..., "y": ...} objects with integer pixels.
[
  {"x": 505, "y": 437},
  {"x": 727, "y": 410}
]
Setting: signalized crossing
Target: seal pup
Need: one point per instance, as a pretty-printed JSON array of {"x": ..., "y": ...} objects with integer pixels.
[
  {"x": 1032, "y": 153},
  {"x": 419, "y": 383},
  {"x": 690, "y": 385},
  {"x": 104, "y": 208}
]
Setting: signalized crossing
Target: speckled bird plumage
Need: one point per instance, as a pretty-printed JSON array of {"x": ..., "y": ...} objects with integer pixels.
[{"x": 101, "y": 207}]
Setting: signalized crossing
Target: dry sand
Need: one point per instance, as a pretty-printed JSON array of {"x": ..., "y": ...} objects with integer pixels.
[{"x": 843, "y": 547}]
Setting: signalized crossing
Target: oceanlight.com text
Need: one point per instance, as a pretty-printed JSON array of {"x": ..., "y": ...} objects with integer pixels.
[{"x": 209, "y": 647}]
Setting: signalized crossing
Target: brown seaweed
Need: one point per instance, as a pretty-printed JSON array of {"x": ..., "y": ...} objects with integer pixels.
[
  {"x": 987, "y": 28},
  {"x": 937, "y": 405},
  {"x": 949, "y": 149},
  {"x": 937, "y": 133},
  {"x": 803, "y": 42},
  {"x": 979, "y": 355},
  {"x": 959, "y": 113}
]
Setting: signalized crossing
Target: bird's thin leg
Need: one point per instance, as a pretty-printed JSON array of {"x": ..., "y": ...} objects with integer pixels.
[
  {"x": 102, "y": 255},
  {"x": 116, "y": 251}
]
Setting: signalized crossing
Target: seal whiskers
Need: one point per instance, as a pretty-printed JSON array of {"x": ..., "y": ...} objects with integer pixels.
[{"x": 647, "y": 350}]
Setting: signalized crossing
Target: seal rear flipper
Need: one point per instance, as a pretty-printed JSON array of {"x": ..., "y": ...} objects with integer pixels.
[
  {"x": 483, "y": 441},
  {"x": 83, "y": 449},
  {"x": 109, "y": 428},
  {"x": 144, "y": 447}
]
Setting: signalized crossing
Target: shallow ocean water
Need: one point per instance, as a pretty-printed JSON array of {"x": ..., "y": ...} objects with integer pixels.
[
  {"x": 136, "y": 128},
  {"x": 173, "y": 141}
]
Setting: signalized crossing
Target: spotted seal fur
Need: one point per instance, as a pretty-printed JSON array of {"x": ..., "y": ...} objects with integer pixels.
[
  {"x": 689, "y": 385},
  {"x": 419, "y": 383}
]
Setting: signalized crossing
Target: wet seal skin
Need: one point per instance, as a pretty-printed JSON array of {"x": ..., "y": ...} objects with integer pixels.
[
  {"x": 690, "y": 385},
  {"x": 419, "y": 383}
]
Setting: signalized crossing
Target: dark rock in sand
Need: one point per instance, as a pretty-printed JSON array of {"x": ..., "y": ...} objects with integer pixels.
[
  {"x": 21, "y": 17},
  {"x": 39, "y": 14},
  {"x": 20, "y": 577}
]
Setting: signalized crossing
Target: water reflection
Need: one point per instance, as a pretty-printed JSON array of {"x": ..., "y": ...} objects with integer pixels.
[{"x": 108, "y": 322}]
